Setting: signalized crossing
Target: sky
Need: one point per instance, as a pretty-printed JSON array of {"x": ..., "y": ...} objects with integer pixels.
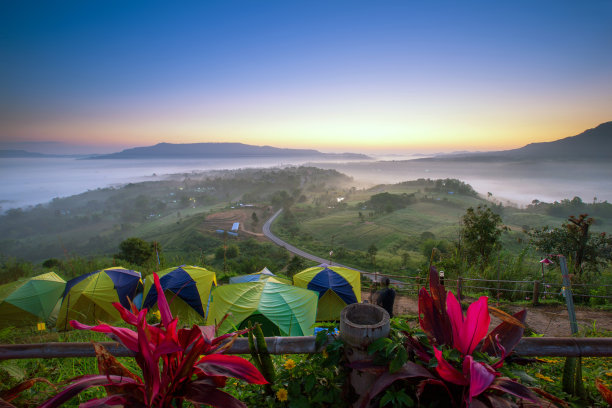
[{"x": 360, "y": 76}]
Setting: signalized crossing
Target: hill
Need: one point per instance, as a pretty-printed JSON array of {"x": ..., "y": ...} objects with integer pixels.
[
  {"x": 591, "y": 145},
  {"x": 223, "y": 150},
  {"x": 19, "y": 154}
]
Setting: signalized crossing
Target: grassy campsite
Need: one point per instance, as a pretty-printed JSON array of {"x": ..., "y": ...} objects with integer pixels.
[{"x": 397, "y": 230}]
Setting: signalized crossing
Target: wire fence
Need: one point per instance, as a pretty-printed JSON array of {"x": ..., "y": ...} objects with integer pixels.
[{"x": 533, "y": 290}]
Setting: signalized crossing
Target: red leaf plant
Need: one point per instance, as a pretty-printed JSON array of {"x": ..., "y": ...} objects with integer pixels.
[
  {"x": 177, "y": 365},
  {"x": 468, "y": 379}
]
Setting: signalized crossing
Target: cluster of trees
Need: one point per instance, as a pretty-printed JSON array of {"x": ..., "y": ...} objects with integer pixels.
[
  {"x": 388, "y": 202},
  {"x": 480, "y": 241},
  {"x": 139, "y": 252},
  {"x": 448, "y": 185},
  {"x": 601, "y": 209},
  {"x": 586, "y": 251}
]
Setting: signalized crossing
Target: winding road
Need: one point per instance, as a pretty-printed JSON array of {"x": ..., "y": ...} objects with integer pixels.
[{"x": 266, "y": 231}]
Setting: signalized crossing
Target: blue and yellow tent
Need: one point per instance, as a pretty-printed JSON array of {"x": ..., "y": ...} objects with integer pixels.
[
  {"x": 89, "y": 298},
  {"x": 187, "y": 290},
  {"x": 282, "y": 310},
  {"x": 336, "y": 286},
  {"x": 264, "y": 274}
]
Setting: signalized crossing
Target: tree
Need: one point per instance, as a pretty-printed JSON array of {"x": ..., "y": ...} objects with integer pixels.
[
  {"x": 481, "y": 234},
  {"x": 585, "y": 250},
  {"x": 52, "y": 263},
  {"x": 254, "y": 218},
  {"x": 137, "y": 251},
  {"x": 296, "y": 264}
]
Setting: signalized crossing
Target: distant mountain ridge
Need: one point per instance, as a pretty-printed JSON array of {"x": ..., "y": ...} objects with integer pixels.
[
  {"x": 593, "y": 144},
  {"x": 14, "y": 153},
  {"x": 221, "y": 151},
  {"x": 24, "y": 154}
]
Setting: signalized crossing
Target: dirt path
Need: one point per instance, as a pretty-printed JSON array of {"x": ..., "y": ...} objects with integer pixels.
[{"x": 551, "y": 321}]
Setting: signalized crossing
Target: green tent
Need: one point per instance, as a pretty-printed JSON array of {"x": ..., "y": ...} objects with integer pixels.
[
  {"x": 283, "y": 310},
  {"x": 30, "y": 301},
  {"x": 187, "y": 289},
  {"x": 336, "y": 286},
  {"x": 89, "y": 298}
]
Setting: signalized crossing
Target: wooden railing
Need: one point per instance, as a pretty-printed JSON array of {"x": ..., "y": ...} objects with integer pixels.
[{"x": 527, "y": 347}]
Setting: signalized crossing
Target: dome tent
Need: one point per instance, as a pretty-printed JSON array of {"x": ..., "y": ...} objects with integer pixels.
[
  {"x": 187, "y": 289},
  {"x": 336, "y": 286},
  {"x": 283, "y": 310},
  {"x": 257, "y": 276},
  {"x": 89, "y": 298},
  {"x": 30, "y": 301}
]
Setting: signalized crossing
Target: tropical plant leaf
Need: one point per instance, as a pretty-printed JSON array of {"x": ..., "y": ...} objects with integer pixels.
[
  {"x": 512, "y": 387},
  {"x": 230, "y": 366},
  {"x": 202, "y": 393},
  {"x": 408, "y": 370},
  {"x": 83, "y": 383},
  {"x": 604, "y": 391},
  {"x": 438, "y": 291},
  {"x": 447, "y": 371},
  {"x": 109, "y": 365},
  {"x": 476, "y": 403},
  {"x": 429, "y": 383},
  {"x": 507, "y": 334},
  {"x": 431, "y": 320},
  {"x": 505, "y": 317},
  {"x": 107, "y": 402},
  {"x": 468, "y": 331},
  {"x": 148, "y": 363},
  {"x": 550, "y": 397},
  {"x": 162, "y": 303},
  {"x": 14, "y": 392},
  {"x": 127, "y": 337},
  {"x": 497, "y": 401},
  {"x": 480, "y": 376}
]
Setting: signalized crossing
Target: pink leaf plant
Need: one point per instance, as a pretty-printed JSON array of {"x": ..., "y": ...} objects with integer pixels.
[
  {"x": 467, "y": 379},
  {"x": 177, "y": 364}
]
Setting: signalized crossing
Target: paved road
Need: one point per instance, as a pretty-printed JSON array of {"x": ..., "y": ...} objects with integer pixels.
[{"x": 303, "y": 254}]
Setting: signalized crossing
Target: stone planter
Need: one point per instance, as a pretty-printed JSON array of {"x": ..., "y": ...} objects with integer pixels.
[{"x": 360, "y": 325}]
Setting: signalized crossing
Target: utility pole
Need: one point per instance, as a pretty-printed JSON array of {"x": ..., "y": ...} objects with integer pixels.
[{"x": 331, "y": 251}]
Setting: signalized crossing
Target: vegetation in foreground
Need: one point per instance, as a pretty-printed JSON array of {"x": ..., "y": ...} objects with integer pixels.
[{"x": 438, "y": 365}]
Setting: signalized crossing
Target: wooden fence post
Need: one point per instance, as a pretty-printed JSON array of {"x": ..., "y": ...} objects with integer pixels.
[
  {"x": 459, "y": 287},
  {"x": 536, "y": 293},
  {"x": 567, "y": 292}
]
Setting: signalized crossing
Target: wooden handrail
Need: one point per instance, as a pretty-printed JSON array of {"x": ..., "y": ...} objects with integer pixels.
[{"x": 527, "y": 347}]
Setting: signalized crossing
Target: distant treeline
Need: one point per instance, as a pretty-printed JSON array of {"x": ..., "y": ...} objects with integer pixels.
[{"x": 574, "y": 206}]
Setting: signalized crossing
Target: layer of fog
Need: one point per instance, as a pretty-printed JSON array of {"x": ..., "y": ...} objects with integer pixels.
[
  {"x": 34, "y": 181},
  {"x": 517, "y": 183}
]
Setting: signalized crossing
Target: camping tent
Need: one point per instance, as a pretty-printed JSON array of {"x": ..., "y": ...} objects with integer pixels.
[
  {"x": 187, "y": 289},
  {"x": 90, "y": 297},
  {"x": 282, "y": 310},
  {"x": 257, "y": 276},
  {"x": 30, "y": 301},
  {"x": 337, "y": 287}
]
